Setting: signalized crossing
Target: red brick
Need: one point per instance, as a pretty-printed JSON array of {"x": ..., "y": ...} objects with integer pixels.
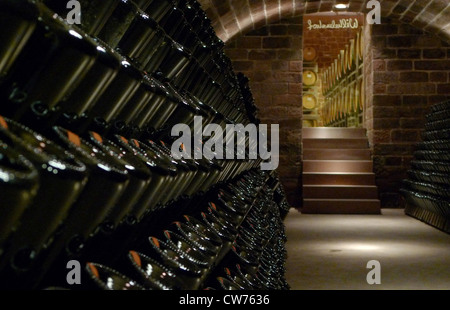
[
  {"x": 386, "y": 123},
  {"x": 407, "y": 29},
  {"x": 276, "y": 42},
  {"x": 276, "y": 30},
  {"x": 280, "y": 65},
  {"x": 400, "y": 41},
  {"x": 379, "y": 88},
  {"x": 275, "y": 88},
  {"x": 262, "y": 65},
  {"x": 290, "y": 77},
  {"x": 380, "y": 100},
  {"x": 381, "y": 136},
  {"x": 393, "y": 149},
  {"x": 249, "y": 42},
  {"x": 438, "y": 65},
  {"x": 261, "y": 76},
  {"x": 436, "y": 99},
  {"x": 237, "y": 53},
  {"x": 412, "y": 123},
  {"x": 413, "y": 88},
  {"x": 393, "y": 65},
  {"x": 410, "y": 77},
  {"x": 437, "y": 53},
  {"x": 385, "y": 77},
  {"x": 287, "y": 100},
  {"x": 286, "y": 54},
  {"x": 409, "y": 53},
  {"x": 439, "y": 77},
  {"x": 379, "y": 65},
  {"x": 262, "y": 54},
  {"x": 393, "y": 160},
  {"x": 295, "y": 88},
  {"x": 384, "y": 53},
  {"x": 404, "y": 136},
  {"x": 427, "y": 41},
  {"x": 415, "y": 100},
  {"x": 263, "y": 31},
  {"x": 289, "y": 124},
  {"x": 242, "y": 65},
  {"x": 443, "y": 89},
  {"x": 296, "y": 66}
]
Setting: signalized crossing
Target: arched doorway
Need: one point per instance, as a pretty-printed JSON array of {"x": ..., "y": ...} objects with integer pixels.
[{"x": 333, "y": 70}]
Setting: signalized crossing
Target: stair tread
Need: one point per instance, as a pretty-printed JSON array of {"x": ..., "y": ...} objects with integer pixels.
[
  {"x": 332, "y": 185},
  {"x": 334, "y": 149},
  {"x": 340, "y": 173},
  {"x": 337, "y": 154},
  {"x": 338, "y": 168},
  {"x": 340, "y": 199},
  {"x": 339, "y": 160},
  {"x": 326, "y": 143},
  {"x": 318, "y": 132},
  {"x": 346, "y": 138}
]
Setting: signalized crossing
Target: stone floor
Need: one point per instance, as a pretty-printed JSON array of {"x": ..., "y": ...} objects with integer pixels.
[{"x": 331, "y": 252}]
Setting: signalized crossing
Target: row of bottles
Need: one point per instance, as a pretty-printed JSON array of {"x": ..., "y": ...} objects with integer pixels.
[
  {"x": 86, "y": 162},
  {"x": 343, "y": 85},
  {"x": 234, "y": 241},
  {"x": 67, "y": 193},
  {"x": 427, "y": 188},
  {"x": 121, "y": 70}
]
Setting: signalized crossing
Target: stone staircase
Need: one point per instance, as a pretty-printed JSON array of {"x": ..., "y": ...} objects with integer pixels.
[{"x": 338, "y": 173}]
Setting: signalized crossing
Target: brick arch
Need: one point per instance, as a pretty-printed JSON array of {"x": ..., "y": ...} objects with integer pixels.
[
  {"x": 231, "y": 18},
  {"x": 408, "y": 70}
]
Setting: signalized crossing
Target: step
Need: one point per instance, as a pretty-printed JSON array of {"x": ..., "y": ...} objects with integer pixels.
[
  {"x": 357, "y": 143},
  {"x": 337, "y": 154},
  {"x": 333, "y": 133},
  {"x": 340, "y": 191},
  {"x": 337, "y": 166},
  {"x": 341, "y": 206},
  {"x": 328, "y": 178}
]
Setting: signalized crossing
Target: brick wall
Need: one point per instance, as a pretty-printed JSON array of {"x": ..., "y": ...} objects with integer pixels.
[
  {"x": 411, "y": 71},
  {"x": 406, "y": 69},
  {"x": 271, "y": 57}
]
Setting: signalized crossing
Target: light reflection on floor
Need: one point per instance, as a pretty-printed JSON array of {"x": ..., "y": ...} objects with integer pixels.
[{"x": 331, "y": 252}]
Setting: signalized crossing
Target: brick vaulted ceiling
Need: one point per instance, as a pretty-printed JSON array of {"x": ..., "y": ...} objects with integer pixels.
[{"x": 232, "y": 18}]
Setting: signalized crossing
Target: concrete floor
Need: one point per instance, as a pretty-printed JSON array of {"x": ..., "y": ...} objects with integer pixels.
[{"x": 331, "y": 252}]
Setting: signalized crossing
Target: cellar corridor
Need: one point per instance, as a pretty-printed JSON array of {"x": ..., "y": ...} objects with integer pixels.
[
  {"x": 331, "y": 252},
  {"x": 135, "y": 137}
]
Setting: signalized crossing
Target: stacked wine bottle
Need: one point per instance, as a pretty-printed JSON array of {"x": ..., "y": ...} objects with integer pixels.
[
  {"x": 427, "y": 189},
  {"x": 234, "y": 241},
  {"x": 87, "y": 172}
]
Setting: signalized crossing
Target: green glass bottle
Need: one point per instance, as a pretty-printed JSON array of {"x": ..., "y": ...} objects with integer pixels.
[
  {"x": 62, "y": 179},
  {"x": 19, "y": 183}
]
